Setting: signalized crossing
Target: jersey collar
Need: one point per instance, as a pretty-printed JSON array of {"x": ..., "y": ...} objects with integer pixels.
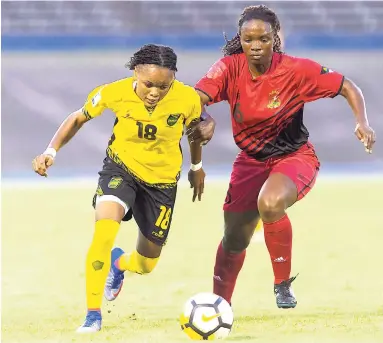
[{"x": 275, "y": 61}]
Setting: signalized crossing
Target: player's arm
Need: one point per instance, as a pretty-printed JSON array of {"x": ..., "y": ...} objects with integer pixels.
[
  {"x": 67, "y": 130},
  {"x": 354, "y": 96},
  {"x": 195, "y": 148},
  {"x": 318, "y": 82},
  {"x": 196, "y": 173},
  {"x": 211, "y": 89},
  {"x": 204, "y": 131}
]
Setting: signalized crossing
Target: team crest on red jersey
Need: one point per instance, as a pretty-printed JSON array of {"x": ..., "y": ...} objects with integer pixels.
[{"x": 274, "y": 101}]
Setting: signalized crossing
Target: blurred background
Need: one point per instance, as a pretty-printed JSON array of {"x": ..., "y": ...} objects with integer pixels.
[{"x": 55, "y": 52}]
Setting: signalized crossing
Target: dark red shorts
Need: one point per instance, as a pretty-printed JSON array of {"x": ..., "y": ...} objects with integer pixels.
[{"x": 249, "y": 175}]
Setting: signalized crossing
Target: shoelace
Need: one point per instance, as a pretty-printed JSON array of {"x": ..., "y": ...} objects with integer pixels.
[
  {"x": 113, "y": 280},
  {"x": 90, "y": 320},
  {"x": 284, "y": 288}
]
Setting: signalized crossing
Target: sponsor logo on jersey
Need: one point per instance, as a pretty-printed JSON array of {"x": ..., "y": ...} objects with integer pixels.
[{"x": 96, "y": 99}]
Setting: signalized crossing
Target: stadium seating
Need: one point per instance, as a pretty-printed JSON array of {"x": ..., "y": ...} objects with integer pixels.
[{"x": 183, "y": 17}]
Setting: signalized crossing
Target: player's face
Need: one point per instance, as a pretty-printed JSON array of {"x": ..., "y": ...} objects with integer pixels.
[
  {"x": 257, "y": 41},
  {"x": 153, "y": 82}
]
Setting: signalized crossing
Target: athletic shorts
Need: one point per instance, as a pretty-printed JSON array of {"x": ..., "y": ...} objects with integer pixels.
[
  {"x": 152, "y": 208},
  {"x": 249, "y": 175}
]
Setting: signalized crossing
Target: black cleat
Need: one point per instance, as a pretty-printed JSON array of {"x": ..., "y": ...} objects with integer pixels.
[{"x": 284, "y": 294}]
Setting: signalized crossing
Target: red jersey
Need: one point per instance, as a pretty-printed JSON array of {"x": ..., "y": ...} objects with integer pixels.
[{"x": 267, "y": 111}]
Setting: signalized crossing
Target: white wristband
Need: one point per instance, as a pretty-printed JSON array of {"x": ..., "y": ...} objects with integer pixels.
[
  {"x": 195, "y": 167},
  {"x": 50, "y": 151}
]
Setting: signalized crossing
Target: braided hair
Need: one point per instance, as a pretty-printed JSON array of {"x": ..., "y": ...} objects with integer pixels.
[
  {"x": 262, "y": 12},
  {"x": 160, "y": 55}
]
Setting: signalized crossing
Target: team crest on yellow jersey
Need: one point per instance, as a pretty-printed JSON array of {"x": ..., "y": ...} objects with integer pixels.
[
  {"x": 173, "y": 118},
  {"x": 274, "y": 101}
]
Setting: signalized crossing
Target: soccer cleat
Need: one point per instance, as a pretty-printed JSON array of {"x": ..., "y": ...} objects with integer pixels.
[
  {"x": 92, "y": 323},
  {"x": 284, "y": 294},
  {"x": 115, "y": 278}
]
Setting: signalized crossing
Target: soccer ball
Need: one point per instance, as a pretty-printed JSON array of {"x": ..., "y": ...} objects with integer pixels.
[{"x": 206, "y": 316}]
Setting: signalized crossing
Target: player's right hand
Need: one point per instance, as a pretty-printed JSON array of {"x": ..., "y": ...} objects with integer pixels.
[
  {"x": 366, "y": 135},
  {"x": 203, "y": 132},
  {"x": 197, "y": 181},
  {"x": 41, "y": 163}
]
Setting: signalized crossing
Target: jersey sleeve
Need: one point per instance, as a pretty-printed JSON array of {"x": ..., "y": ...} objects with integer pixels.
[
  {"x": 194, "y": 110},
  {"x": 214, "y": 83},
  {"x": 317, "y": 82},
  {"x": 96, "y": 103}
]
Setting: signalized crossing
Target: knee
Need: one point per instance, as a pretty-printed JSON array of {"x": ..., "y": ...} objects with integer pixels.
[
  {"x": 235, "y": 242},
  {"x": 271, "y": 206}
]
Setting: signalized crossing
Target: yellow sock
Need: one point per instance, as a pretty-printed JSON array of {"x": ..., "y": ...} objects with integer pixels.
[
  {"x": 98, "y": 261},
  {"x": 259, "y": 226},
  {"x": 136, "y": 263}
]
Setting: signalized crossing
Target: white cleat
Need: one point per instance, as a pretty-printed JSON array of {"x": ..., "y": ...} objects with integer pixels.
[
  {"x": 92, "y": 323},
  {"x": 113, "y": 285}
]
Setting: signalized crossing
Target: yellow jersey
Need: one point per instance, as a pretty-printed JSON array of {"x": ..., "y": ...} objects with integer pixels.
[{"x": 148, "y": 145}]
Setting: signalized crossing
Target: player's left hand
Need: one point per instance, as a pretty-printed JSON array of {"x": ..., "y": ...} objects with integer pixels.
[
  {"x": 197, "y": 181},
  {"x": 203, "y": 132},
  {"x": 366, "y": 135}
]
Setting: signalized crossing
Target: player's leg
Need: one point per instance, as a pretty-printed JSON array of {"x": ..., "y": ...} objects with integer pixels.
[
  {"x": 140, "y": 261},
  {"x": 108, "y": 218},
  {"x": 290, "y": 179},
  {"x": 113, "y": 194},
  {"x": 279, "y": 193},
  {"x": 241, "y": 218},
  {"x": 231, "y": 252},
  {"x": 153, "y": 211},
  {"x": 143, "y": 260}
]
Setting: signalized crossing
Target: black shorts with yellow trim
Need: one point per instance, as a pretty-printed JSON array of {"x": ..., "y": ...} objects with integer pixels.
[{"x": 151, "y": 207}]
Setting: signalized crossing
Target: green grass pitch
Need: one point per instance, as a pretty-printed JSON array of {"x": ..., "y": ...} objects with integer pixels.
[{"x": 338, "y": 240}]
